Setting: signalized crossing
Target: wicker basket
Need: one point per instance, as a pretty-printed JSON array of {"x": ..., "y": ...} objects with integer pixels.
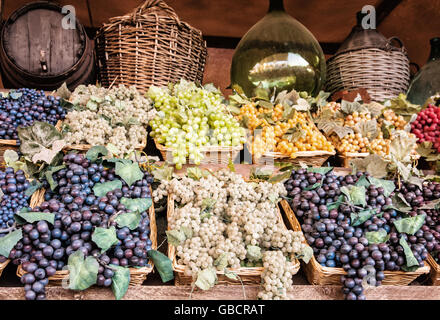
[
  {"x": 435, "y": 271},
  {"x": 319, "y": 275},
  {"x": 348, "y": 156},
  {"x": 211, "y": 155},
  {"x": 83, "y": 148},
  {"x": 247, "y": 275},
  {"x": 150, "y": 46},
  {"x": 3, "y": 266},
  {"x": 137, "y": 275},
  {"x": 368, "y": 60},
  {"x": 311, "y": 158}
]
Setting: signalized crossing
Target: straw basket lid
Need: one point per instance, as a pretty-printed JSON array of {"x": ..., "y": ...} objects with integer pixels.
[{"x": 360, "y": 38}]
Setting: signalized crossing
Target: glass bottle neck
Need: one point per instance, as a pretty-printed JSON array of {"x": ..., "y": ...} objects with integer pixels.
[
  {"x": 276, "y": 5},
  {"x": 435, "y": 49}
]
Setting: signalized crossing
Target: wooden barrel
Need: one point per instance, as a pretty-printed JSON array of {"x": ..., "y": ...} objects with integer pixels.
[{"x": 37, "y": 52}]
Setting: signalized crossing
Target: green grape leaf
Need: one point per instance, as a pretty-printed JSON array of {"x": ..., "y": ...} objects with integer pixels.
[
  {"x": 336, "y": 204},
  {"x": 401, "y": 146},
  {"x": 401, "y": 106},
  {"x": 25, "y": 215},
  {"x": 163, "y": 265},
  {"x": 129, "y": 219},
  {"x": 137, "y": 205},
  {"x": 399, "y": 204},
  {"x": 355, "y": 195},
  {"x": 10, "y": 156},
  {"x": 96, "y": 152},
  {"x": 234, "y": 110},
  {"x": 196, "y": 173},
  {"x": 187, "y": 231},
  {"x": 363, "y": 182},
  {"x": 222, "y": 261},
  {"x": 411, "y": 260},
  {"x": 206, "y": 279},
  {"x": 231, "y": 275},
  {"x": 260, "y": 174},
  {"x": 163, "y": 173},
  {"x": 261, "y": 94},
  {"x": 313, "y": 187},
  {"x": 295, "y": 133},
  {"x": 350, "y": 107},
  {"x": 15, "y": 95},
  {"x": 321, "y": 170},
  {"x": 387, "y": 185},
  {"x": 120, "y": 281},
  {"x": 175, "y": 237},
  {"x": 8, "y": 242},
  {"x": 49, "y": 176},
  {"x": 410, "y": 225},
  {"x": 83, "y": 273},
  {"x": 101, "y": 189},
  {"x": 34, "y": 185},
  {"x": 253, "y": 253},
  {"x": 380, "y": 236},
  {"x": 359, "y": 218},
  {"x": 129, "y": 172},
  {"x": 104, "y": 238},
  {"x": 306, "y": 254}
]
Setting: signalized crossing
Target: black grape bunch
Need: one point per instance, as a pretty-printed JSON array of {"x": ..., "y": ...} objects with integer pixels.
[
  {"x": 338, "y": 230},
  {"x": 45, "y": 247},
  {"x": 24, "y": 106}
]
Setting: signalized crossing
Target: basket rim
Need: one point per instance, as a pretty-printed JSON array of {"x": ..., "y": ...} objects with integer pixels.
[{"x": 161, "y": 147}]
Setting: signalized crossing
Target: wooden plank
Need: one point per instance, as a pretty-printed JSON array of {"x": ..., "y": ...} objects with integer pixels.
[{"x": 298, "y": 292}]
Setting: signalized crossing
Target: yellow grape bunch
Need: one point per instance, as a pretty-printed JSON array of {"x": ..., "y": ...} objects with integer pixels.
[
  {"x": 398, "y": 122},
  {"x": 272, "y": 132}
]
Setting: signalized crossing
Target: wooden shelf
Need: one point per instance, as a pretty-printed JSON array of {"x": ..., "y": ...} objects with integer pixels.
[{"x": 299, "y": 292}]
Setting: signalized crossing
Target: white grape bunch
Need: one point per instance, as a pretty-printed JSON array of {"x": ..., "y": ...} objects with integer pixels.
[
  {"x": 230, "y": 223},
  {"x": 190, "y": 117},
  {"x": 116, "y": 118}
]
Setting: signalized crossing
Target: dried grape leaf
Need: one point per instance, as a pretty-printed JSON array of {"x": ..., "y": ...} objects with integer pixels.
[
  {"x": 373, "y": 164},
  {"x": 367, "y": 129},
  {"x": 63, "y": 92},
  {"x": 342, "y": 131},
  {"x": 375, "y": 108},
  {"x": 434, "y": 204},
  {"x": 280, "y": 177},
  {"x": 350, "y": 107}
]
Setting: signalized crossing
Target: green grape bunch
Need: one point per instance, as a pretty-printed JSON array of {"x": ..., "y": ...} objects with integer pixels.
[{"x": 190, "y": 117}]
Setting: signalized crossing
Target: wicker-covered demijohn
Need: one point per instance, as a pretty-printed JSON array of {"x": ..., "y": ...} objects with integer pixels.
[
  {"x": 149, "y": 46},
  {"x": 368, "y": 60}
]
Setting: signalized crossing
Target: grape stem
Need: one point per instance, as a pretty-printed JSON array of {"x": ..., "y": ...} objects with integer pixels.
[{"x": 11, "y": 228}]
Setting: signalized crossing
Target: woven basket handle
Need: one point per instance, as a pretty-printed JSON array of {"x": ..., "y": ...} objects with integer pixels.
[
  {"x": 159, "y": 4},
  {"x": 395, "y": 39}
]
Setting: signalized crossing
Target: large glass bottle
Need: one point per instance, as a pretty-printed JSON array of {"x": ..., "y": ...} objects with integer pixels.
[
  {"x": 426, "y": 82},
  {"x": 278, "y": 51}
]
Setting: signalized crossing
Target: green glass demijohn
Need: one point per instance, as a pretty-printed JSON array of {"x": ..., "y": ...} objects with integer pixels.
[
  {"x": 426, "y": 82},
  {"x": 278, "y": 52}
]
